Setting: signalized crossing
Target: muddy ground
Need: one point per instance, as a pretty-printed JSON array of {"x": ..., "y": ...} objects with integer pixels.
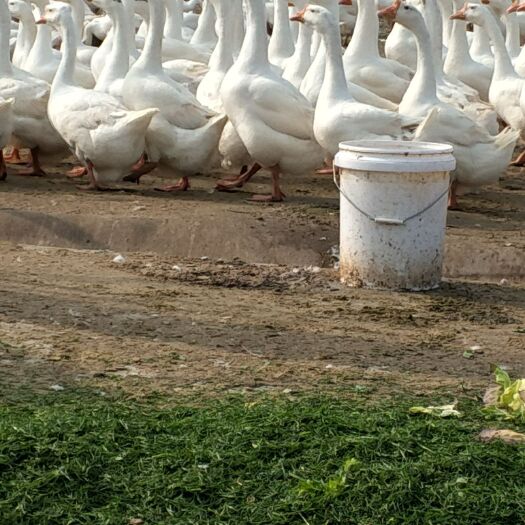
[{"x": 167, "y": 320}]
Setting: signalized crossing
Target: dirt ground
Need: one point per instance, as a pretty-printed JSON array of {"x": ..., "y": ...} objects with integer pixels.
[{"x": 186, "y": 325}]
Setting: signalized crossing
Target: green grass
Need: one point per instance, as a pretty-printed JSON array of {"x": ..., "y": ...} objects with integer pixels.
[{"x": 83, "y": 459}]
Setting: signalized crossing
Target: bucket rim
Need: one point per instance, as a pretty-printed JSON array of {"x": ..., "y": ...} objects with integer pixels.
[{"x": 396, "y": 147}]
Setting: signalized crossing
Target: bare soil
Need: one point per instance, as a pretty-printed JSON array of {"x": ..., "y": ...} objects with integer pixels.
[{"x": 182, "y": 325}]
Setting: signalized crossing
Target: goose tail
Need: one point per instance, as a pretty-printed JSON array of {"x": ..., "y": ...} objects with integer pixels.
[{"x": 507, "y": 139}]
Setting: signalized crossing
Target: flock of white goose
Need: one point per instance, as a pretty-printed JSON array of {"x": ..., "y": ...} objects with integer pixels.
[{"x": 151, "y": 84}]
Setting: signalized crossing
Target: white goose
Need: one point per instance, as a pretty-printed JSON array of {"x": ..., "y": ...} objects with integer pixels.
[
  {"x": 512, "y": 26},
  {"x": 273, "y": 120},
  {"x": 43, "y": 60},
  {"x": 506, "y": 91},
  {"x": 480, "y": 49},
  {"x": 107, "y": 138},
  {"x": 481, "y": 158},
  {"x": 459, "y": 63},
  {"x": 449, "y": 89},
  {"x": 338, "y": 117},
  {"x": 205, "y": 35},
  {"x": 21, "y": 11},
  {"x": 363, "y": 64},
  {"x": 313, "y": 80},
  {"x": 186, "y": 72},
  {"x": 185, "y": 134},
  {"x": 30, "y": 126}
]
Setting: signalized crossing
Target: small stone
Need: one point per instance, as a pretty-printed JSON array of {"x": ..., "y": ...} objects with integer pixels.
[
  {"x": 504, "y": 282},
  {"x": 119, "y": 259},
  {"x": 57, "y": 388},
  {"x": 176, "y": 268}
]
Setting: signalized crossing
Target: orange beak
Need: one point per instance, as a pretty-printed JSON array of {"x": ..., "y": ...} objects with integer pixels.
[
  {"x": 390, "y": 11},
  {"x": 41, "y": 21},
  {"x": 515, "y": 7},
  {"x": 299, "y": 16},
  {"x": 345, "y": 2},
  {"x": 460, "y": 15}
]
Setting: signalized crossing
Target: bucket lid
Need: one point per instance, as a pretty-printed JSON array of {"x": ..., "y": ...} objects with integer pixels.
[{"x": 395, "y": 156}]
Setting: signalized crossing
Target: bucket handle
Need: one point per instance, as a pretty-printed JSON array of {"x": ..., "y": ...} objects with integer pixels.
[{"x": 385, "y": 220}]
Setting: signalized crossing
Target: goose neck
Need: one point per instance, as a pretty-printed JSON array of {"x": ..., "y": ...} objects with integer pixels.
[
  {"x": 173, "y": 25},
  {"x": 151, "y": 57},
  {"x": 222, "y": 56},
  {"x": 334, "y": 82},
  {"x": 512, "y": 40},
  {"x": 502, "y": 63},
  {"x": 206, "y": 25},
  {"x": 118, "y": 63},
  {"x": 282, "y": 38},
  {"x": 129, "y": 25},
  {"x": 458, "y": 51},
  {"x": 254, "y": 51},
  {"x": 366, "y": 32},
  {"x": 422, "y": 88},
  {"x": 66, "y": 68},
  {"x": 480, "y": 45}
]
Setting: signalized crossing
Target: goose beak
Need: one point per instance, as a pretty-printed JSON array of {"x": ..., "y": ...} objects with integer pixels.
[
  {"x": 41, "y": 21},
  {"x": 390, "y": 11},
  {"x": 459, "y": 15},
  {"x": 299, "y": 16},
  {"x": 513, "y": 8},
  {"x": 345, "y": 2}
]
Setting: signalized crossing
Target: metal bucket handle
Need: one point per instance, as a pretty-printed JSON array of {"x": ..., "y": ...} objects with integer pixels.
[{"x": 386, "y": 220}]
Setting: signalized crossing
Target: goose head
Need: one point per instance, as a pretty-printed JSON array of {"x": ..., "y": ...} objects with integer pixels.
[
  {"x": 55, "y": 13},
  {"x": 474, "y": 13},
  {"x": 402, "y": 12},
  {"x": 18, "y": 8},
  {"x": 316, "y": 17}
]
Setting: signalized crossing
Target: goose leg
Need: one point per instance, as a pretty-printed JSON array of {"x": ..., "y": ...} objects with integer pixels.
[
  {"x": 76, "y": 172},
  {"x": 452, "y": 197},
  {"x": 182, "y": 185},
  {"x": 93, "y": 184},
  {"x": 14, "y": 157},
  {"x": 142, "y": 167},
  {"x": 520, "y": 161},
  {"x": 3, "y": 167},
  {"x": 238, "y": 182},
  {"x": 36, "y": 169},
  {"x": 328, "y": 170},
  {"x": 277, "y": 195}
]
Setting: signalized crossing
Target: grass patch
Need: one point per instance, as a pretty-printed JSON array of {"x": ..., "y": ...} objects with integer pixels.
[{"x": 81, "y": 459}]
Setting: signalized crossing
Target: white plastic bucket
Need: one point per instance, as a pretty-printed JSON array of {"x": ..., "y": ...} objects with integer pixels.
[{"x": 393, "y": 212}]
